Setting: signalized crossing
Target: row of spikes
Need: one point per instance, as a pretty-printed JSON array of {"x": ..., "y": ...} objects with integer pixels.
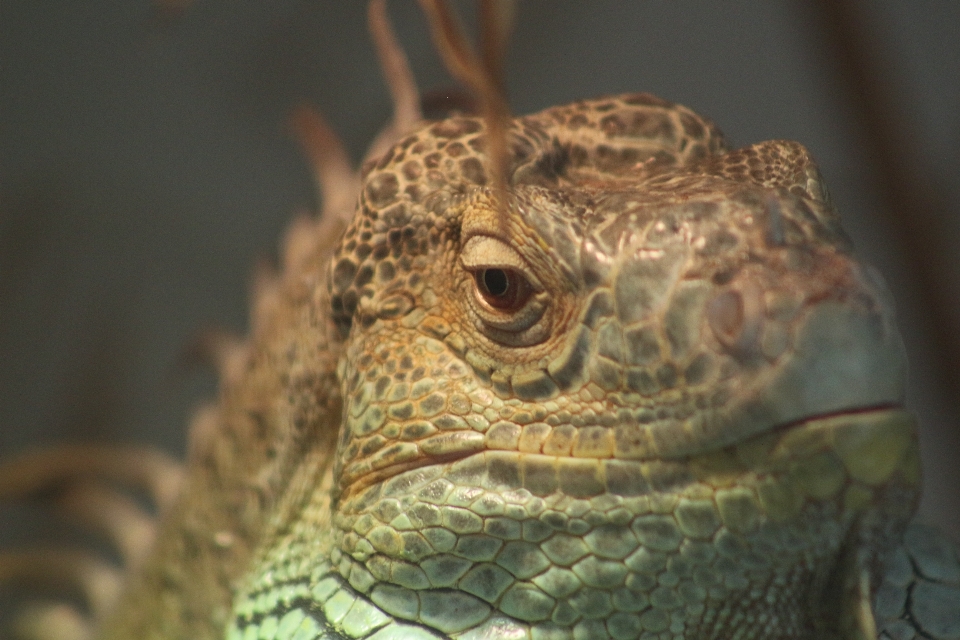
[{"x": 94, "y": 485}]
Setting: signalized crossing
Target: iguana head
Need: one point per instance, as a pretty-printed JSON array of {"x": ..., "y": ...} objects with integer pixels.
[{"x": 640, "y": 381}]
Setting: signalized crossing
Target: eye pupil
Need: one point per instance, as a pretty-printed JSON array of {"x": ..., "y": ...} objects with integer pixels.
[
  {"x": 496, "y": 281},
  {"x": 503, "y": 289}
]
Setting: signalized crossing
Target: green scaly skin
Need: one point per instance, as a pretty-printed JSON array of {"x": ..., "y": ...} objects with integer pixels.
[
  {"x": 679, "y": 420},
  {"x": 647, "y": 392}
]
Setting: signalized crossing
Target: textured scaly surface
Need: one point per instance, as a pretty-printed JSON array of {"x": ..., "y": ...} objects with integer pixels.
[
  {"x": 660, "y": 402},
  {"x": 643, "y": 391}
]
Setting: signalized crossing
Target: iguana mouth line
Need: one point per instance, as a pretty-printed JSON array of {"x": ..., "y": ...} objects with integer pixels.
[
  {"x": 383, "y": 474},
  {"x": 852, "y": 411},
  {"x": 583, "y": 476}
]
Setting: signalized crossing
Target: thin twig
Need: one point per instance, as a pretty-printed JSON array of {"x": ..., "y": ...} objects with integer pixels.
[
  {"x": 396, "y": 69},
  {"x": 464, "y": 64},
  {"x": 496, "y": 19}
]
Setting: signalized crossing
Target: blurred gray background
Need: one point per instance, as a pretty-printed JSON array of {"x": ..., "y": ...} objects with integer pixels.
[{"x": 145, "y": 167}]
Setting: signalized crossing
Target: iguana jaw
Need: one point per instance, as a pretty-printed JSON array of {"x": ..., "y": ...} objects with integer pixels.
[
  {"x": 878, "y": 449},
  {"x": 846, "y": 360},
  {"x": 724, "y": 518}
]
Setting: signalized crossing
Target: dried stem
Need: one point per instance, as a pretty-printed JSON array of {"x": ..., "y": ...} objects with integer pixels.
[
  {"x": 464, "y": 64},
  {"x": 496, "y": 19},
  {"x": 396, "y": 69}
]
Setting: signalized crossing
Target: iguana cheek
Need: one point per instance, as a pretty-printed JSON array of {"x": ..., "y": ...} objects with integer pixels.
[
  {"x": 543, "y": 538},
  {"x": 449, "y": 494}
]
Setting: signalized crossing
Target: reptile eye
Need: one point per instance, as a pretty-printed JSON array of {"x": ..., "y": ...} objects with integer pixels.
[
  {"x": 502, "y": 289},
  {"x": 502, "y": 294}
]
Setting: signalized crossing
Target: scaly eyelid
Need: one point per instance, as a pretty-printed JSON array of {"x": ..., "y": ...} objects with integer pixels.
[{"x": 486, "y": 252}]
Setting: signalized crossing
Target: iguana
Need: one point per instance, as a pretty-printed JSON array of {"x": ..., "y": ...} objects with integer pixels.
[{"x": 585, "y": 373}]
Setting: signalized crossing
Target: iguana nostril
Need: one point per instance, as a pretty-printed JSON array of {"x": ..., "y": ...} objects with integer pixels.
[
  {"x": 775, "y": 231},
  {"x": 725, "y": 315},
  {"x": 736, "y": 318}
]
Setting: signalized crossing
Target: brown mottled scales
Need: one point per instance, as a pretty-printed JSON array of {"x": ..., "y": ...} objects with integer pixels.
[{"x": 644, "y": 391}]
